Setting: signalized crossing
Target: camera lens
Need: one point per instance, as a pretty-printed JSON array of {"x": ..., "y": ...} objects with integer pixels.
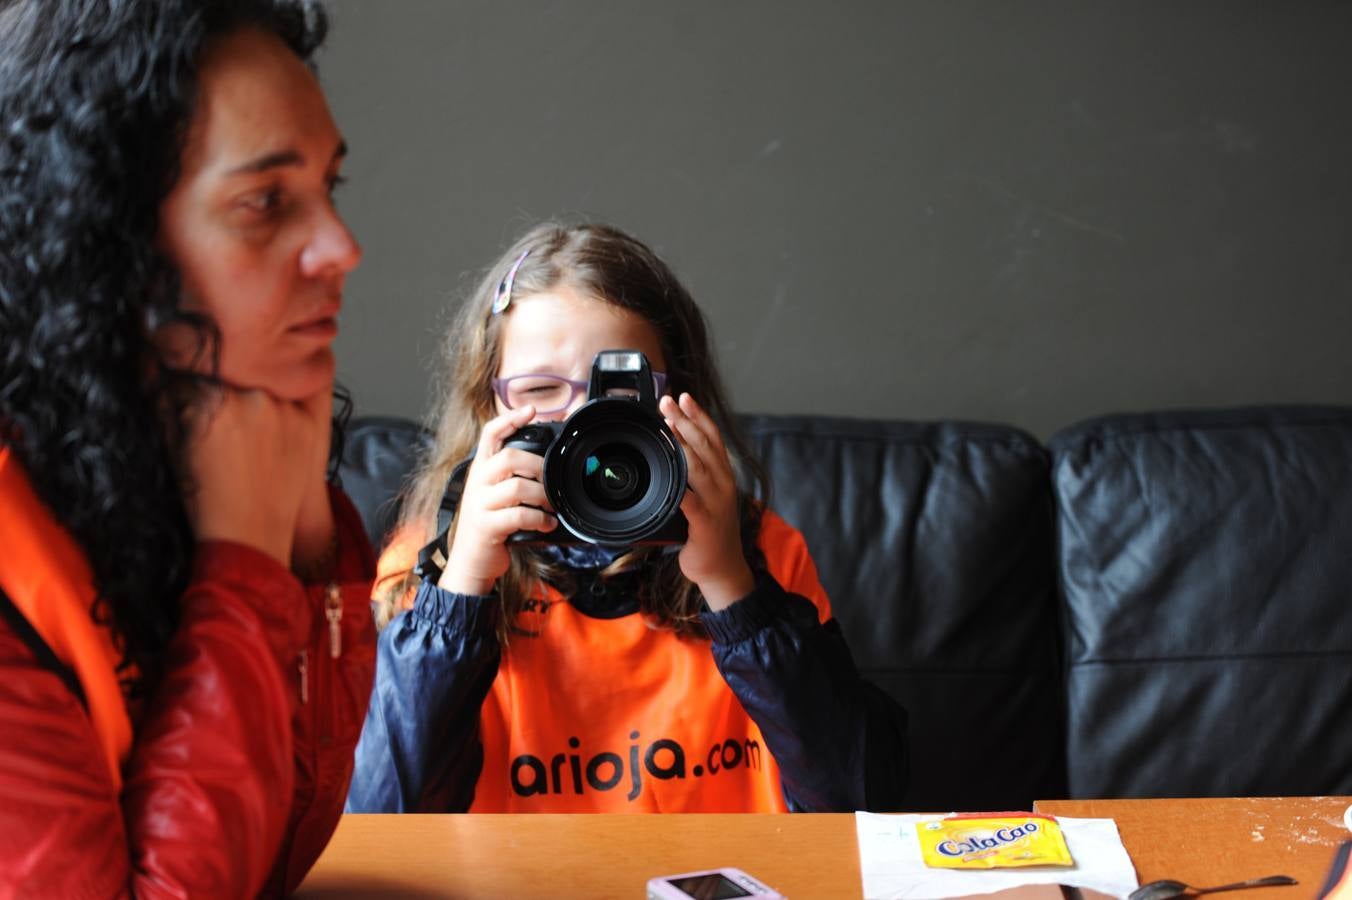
[{"x": 615, "y": 476}]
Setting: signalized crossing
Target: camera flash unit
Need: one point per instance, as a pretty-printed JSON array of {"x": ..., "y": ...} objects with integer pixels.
[{"x": 619, "y": 361}]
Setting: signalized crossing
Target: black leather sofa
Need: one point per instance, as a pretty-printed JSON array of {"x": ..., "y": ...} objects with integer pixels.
[{"x": 1149, "y": 605}]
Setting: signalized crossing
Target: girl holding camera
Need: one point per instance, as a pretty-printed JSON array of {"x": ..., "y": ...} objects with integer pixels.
[
  {"x": 554, "y": 677},
  {"x": 186, "y": 650}
]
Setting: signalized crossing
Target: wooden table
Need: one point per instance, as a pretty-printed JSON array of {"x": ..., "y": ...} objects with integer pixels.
[
  {"x": 1214, "y": 841},
  {"x": 807, "y": 857},
  {"x": 589, "y": 857}
]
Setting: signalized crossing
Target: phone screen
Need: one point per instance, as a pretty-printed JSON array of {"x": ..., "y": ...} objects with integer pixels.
[{"x": 710, "y": 887}]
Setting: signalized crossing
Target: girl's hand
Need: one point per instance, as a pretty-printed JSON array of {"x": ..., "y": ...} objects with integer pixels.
[
  {"x": 315, "y": 528},
  {"x": 501, "y": 488},
  {"x": 712, "y": 556},
  {"x": 249, "y": 457}
]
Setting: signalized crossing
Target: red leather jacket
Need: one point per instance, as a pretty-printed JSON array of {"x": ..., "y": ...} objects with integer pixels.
[{"x": 235, "y": 780}]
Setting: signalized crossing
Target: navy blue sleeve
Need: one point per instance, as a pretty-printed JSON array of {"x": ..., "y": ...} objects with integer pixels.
[
  {"x": 840, "y": 741},
  {"x": 420, "y": 749}
]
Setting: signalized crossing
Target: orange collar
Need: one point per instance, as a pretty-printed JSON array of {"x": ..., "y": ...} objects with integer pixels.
[{"x": 49, "y": 580}]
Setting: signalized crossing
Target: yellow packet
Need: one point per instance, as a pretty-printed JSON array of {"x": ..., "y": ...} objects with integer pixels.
[{"x": 976, "y": 841}]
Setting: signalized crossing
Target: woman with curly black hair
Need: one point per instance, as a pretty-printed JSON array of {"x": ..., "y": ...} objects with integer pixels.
[{"x": 186, "y": 648}]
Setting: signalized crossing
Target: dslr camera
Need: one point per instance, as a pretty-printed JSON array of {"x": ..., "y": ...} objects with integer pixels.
[{"x": 613, "y": 471}]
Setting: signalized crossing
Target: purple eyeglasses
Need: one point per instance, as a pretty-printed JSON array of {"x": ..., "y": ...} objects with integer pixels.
[{"x": 550, "y": 393}]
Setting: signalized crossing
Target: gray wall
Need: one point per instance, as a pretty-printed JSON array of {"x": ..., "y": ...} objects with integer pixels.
[{"x": 1025, "y": 212}]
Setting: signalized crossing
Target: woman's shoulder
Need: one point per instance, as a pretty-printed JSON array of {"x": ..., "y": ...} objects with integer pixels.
[{"x": 43, "y": 714}]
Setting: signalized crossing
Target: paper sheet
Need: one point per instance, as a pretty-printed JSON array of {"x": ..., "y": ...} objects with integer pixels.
[{"x": 890, "y": 862}]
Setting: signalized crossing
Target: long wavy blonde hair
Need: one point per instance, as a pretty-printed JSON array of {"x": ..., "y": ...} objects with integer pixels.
[{"x": 604, "y": 263}]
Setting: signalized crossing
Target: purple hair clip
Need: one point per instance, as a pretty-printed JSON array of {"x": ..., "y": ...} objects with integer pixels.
[{"x": 504, "y": 297}]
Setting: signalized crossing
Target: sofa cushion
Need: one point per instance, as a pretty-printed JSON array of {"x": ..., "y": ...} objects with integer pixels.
[
  {"x": 933, "y": 542},
  {"x": 1206, "y": 570}
]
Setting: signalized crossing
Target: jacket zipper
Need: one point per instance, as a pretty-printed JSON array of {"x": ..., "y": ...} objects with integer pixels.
[
  {"x": 333, "y": 611},
  {"x": 303, "y": 666}
]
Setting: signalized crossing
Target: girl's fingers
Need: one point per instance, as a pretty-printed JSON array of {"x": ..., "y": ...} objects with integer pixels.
[
  {"x": 499, "y": 429},
  {"x": 702, "y": 477},
  {"x": 704, "y": 431},
  {"x": 708, "y": 463},
  {"x": 510, "y": 462},
  {"x": 690, "y": 430},
  {"x": 506, "y": 522},
  {"x": 515, "y": 492},
  {"x": 694, "y": 467},
  {"x": 703, "y": 421},
  {"x": 694, "y": 459}
]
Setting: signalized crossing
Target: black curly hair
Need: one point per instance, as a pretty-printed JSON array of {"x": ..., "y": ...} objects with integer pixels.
[{"x": 95, "y": 101}]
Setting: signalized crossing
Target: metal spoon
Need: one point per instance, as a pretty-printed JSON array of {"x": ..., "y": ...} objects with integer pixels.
[{"x": 1159, "y": 890}]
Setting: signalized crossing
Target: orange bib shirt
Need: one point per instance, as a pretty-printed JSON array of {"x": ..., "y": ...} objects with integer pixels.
[{"x": 610, "y": 715}]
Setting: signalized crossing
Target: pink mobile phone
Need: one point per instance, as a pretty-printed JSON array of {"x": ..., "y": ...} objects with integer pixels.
[{"x": 712, "y": 884}]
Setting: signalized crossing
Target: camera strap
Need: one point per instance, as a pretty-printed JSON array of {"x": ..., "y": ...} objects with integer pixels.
[{"x": 432, "y": 557}]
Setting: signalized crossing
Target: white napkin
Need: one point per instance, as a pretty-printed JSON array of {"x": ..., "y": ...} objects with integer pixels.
[{"x": 891, "y": 865}]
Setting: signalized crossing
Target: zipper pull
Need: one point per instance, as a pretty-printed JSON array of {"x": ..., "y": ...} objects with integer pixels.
[
  {"x": 333, "y": 611},
  {"x": 304, "y": 667}
]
